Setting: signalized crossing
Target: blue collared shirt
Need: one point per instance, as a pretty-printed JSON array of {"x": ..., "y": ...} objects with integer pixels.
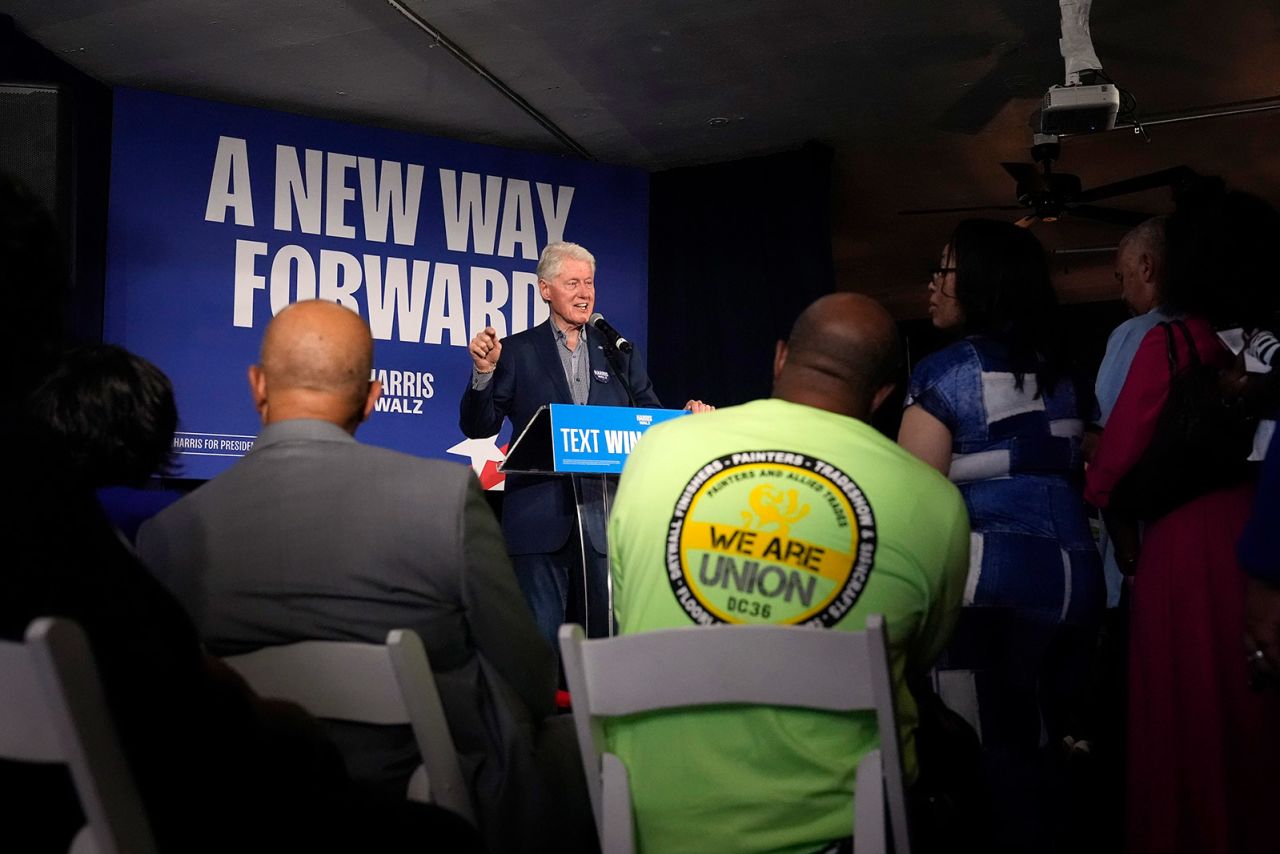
[{"x": 1121, "y": 347}]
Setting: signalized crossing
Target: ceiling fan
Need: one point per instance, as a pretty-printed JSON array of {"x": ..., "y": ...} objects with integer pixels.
[
  {"x": 1045, "y": 195},
  {"x": 1090, "y": 102}
]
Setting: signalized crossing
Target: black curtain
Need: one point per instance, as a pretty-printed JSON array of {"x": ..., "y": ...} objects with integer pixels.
[{"x": 736, "y": 252}]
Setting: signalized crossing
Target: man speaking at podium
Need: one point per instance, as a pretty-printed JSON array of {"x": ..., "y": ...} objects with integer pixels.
[{"x": 555, "y": 526}]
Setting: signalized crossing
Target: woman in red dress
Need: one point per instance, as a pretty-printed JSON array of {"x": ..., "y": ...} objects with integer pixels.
[{"x": 1203, "y": 746}]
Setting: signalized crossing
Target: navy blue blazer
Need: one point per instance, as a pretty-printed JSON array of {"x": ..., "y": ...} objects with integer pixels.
[{"x": 539, "y": 513}]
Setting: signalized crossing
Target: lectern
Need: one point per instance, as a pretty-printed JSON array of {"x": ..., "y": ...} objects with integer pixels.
[{"x": 589, "y": 445}]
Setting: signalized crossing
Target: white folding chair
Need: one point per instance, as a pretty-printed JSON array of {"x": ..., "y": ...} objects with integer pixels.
[
  {"x": 52, "y": 710},
  {"x": 756, "y": 665},
  {"x": 373, "y": 684}
]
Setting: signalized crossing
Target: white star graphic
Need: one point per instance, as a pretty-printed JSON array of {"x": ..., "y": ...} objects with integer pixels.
[{"x": 480, "y": 451}]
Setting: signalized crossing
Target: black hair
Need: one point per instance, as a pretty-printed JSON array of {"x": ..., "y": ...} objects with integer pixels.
[
  {"x": 109, "y": 414},
  {"x": 1006, "y": 293}
]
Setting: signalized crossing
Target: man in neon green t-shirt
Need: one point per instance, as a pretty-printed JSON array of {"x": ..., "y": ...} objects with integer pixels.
[{"x": 790, "y": 510}]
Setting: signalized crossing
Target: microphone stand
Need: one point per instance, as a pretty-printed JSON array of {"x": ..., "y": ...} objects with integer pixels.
[{"x": 614, "y": 358}]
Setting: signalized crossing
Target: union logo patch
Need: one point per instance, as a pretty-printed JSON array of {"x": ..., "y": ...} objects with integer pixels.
[{"x": 770, "y": 537}]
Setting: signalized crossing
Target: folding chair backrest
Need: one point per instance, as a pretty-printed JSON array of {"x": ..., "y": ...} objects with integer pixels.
[
  {"x": 752, "y": 665},
  {"x": 372, "y": 684},
  {"x": 52, "y": 710}
]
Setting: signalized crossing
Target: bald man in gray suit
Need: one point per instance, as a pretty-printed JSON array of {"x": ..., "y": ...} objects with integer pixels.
[{"x": 315, "y": 536}]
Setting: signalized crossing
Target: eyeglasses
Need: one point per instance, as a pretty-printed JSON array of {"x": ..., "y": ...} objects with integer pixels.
[{"x": 937, "y": 277}]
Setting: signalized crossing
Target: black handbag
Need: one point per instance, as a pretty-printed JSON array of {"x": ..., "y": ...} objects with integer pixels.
[{"x": 1202, "y": 438}]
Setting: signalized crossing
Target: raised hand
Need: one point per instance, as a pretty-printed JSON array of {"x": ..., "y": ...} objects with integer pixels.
[{"x": 485, "y": 349}]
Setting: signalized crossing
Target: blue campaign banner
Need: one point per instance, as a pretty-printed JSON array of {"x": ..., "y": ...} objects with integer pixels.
[
  {"x": 598, "y": 439},
  {"x": 222, "y": 215}
]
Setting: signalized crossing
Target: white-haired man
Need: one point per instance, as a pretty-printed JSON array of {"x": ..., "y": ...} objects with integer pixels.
[
  {"x": 1140, "y": 270},
  {"x": 554, "y": 527}
]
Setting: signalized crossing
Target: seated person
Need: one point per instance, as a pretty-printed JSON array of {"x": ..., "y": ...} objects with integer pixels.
[
  {"x": 217, "y": 769},
  {"x": 112, "y": 415},
  {"x": 314, "y": 536},
  {"x": 878, "y": 531}
]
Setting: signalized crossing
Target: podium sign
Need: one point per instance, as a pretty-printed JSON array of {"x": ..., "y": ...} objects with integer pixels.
[{"x": 572, "y": 439}]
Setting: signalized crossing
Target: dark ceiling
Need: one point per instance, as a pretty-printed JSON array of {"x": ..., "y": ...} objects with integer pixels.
[{"x": 919, "y": 100}]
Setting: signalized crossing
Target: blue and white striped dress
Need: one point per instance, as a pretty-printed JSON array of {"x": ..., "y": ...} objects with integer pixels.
[{"x": 1017, "y": 460}]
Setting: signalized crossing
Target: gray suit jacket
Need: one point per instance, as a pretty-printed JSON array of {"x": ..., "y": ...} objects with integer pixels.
[{"x": 315, "y": 536}]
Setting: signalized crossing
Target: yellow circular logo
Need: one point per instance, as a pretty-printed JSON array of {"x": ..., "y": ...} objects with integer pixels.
[{"x": 770, "y": 537}]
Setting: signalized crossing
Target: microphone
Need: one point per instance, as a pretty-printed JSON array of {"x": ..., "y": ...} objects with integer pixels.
[{"x": 612, "y": 335}]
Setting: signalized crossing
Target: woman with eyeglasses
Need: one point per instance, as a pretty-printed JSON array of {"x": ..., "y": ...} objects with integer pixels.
[{"x": 997, "y": 413}]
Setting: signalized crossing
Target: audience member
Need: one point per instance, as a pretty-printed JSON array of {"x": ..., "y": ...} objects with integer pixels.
[
  {"x": 113, "y": 415},
  {"x": 1140, "y": 270},
  {"x": 110, "y": 413},
  {"x": 801, "y": 491},
  {"x": 315, "y": 536},
  {"x": 217, "y": 769},
  {"x": 1259, "y": 552},
  {"x": 1202, "y": 747},
  {"x": 997, "y": 413},
  {"x": 1262, "y": 368}
]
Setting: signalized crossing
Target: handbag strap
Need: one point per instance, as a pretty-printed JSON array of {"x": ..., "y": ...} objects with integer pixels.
[
  {"x": 1191, "y": 342},
  {"x": 1171, "y": 345}
]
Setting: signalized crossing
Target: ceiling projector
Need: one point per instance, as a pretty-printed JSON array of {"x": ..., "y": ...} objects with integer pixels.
[{"x": 1079, "y": 109}]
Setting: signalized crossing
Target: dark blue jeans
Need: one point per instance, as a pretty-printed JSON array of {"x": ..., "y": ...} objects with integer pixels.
[
  {"x": 1032, "y": 677},
  {"x": 563, "y": 587}
]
